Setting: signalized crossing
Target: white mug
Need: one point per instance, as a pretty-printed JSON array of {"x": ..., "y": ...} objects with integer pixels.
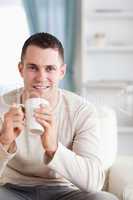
[{"x": 30, "y": 105}]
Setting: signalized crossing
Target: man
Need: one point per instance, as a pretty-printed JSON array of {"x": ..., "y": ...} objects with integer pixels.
[{"x": 64, "y": 162}]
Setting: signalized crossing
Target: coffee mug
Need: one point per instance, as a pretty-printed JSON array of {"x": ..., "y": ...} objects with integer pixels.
[
  {"x": 28, "y": 108},
  {"x": 30, "y": 105}
]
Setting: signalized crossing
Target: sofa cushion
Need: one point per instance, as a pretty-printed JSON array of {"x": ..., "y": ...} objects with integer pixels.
[
  {"x": 108, "y": 129},
  {"x": 121, "y": 176}
]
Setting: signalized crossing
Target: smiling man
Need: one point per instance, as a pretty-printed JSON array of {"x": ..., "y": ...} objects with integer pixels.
[
  {"x": 42, "y": 67},
  {"x": 64, "y": 163}
]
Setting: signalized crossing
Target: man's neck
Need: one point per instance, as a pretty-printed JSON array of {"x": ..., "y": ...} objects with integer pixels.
[{"x": 53, "y": 100}]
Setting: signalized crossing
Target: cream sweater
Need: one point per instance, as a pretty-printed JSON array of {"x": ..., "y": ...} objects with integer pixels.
[{"x": 77, "y": 160}]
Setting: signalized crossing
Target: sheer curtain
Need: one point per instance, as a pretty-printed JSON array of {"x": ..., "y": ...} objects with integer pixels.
[{"x": 58, "y": 18}]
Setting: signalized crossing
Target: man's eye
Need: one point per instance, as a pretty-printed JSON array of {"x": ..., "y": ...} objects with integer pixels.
[
  {"x": 50, "y": 68},
  {"x": 32, "y": 68}
]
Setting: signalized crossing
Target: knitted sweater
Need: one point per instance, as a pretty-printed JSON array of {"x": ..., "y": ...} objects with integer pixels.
[{"x": 77, "y": 160}]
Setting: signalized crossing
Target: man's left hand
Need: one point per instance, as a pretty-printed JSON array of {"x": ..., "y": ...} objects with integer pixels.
[{"x": 45, "y": 118}]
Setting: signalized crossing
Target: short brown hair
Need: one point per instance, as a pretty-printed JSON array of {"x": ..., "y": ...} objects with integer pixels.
[{"x": 44, "y": 41}]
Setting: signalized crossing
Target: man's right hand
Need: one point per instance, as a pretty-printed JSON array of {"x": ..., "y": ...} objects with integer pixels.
[{"x": 8, "y": 133}]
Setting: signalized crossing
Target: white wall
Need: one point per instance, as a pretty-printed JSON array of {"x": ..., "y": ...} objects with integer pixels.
[
  {"x": 125, "y": 144},
  {"x": 14, "y": 31}
]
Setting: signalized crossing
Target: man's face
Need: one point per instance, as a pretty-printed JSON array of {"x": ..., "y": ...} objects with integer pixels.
[{"x": 41, "y": 70}]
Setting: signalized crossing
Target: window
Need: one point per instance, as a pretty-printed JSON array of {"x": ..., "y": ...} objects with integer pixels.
[{"x": 13, "y": 32}]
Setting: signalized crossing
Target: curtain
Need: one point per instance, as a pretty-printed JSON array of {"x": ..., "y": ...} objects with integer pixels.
[{"x": 57, "y": 17}]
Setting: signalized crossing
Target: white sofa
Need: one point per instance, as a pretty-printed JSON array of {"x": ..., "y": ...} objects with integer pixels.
[
  {"x": 119, "y": 169},
  {"x": 121, "y": 178},
  {"x": 119, "y": 175}
]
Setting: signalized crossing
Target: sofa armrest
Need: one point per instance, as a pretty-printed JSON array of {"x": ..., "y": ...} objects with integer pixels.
[{"x": 121, "y": 175}]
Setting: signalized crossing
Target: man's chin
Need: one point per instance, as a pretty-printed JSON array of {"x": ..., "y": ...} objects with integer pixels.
[{"x": 43, "y": 93}]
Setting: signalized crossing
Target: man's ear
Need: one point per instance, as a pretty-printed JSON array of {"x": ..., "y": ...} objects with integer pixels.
[
  {"x": 20, "y": 68},
  {"x": 62, "y": 71}
]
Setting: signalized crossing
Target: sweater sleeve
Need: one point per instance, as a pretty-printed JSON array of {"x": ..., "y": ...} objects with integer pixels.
[
  {"x": 5, "y": 157},
  {"x": 82, "y": 165}
]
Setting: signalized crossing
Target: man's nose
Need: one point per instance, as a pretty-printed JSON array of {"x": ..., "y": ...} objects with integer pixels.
[{"x": 42, "y": 74}]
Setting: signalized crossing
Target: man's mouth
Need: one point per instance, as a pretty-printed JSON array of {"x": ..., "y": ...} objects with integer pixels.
[{"x": 39, "y": 87}]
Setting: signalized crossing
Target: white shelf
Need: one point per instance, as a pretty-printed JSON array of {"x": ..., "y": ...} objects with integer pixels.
[
  {"x": 106, "y": 15},
  {"x": 114, "y": 84},
  {"x": 105, "y": 49},
  {"x": 125, "y": 129},
  {"x": 106, "y": 54}
]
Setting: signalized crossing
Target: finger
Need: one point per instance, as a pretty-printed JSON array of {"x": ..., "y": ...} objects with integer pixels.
[
  {"x": 44, "y": 123},
  {"x": 9, "y": 124},
  {"x": 19, "y": 115},
  {"x": 19, "y": 122},
  {"x": 43, "y": 109},
  {"x": 18, "y": 125},
  {"x": 13, "y": 107},
  {"x": 43, "y": 117},
  {"x": 16, "y": 108},
  {"x": 7, "y": 118},
  {"x": 15, "y": 111},
  {"x": 43, "y": 112},
  {"x": 11, "y": 116}
]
